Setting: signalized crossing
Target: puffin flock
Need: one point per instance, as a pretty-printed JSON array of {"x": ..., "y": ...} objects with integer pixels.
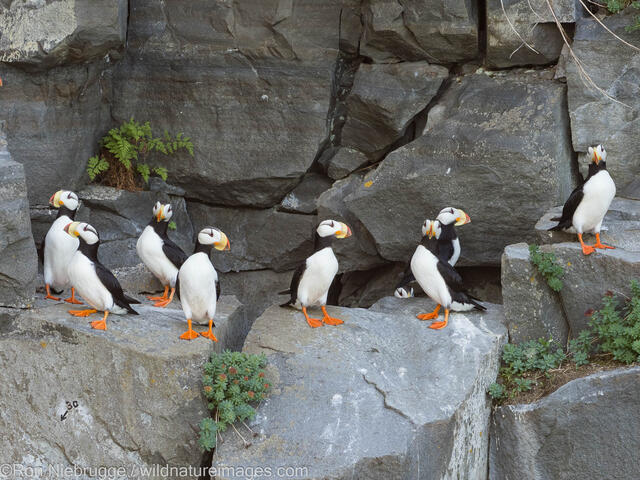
[{"x": 71, "y": 260}]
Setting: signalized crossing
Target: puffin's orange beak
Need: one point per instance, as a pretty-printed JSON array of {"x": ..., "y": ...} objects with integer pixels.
[
  {"x": 66, "y": 227},
  {"x": 51, "y": 199}
]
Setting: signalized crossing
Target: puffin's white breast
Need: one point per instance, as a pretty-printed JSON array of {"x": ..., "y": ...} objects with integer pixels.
[
  {"x": 198, "y": 287},
  {"x": 59, "y": 248},
  {"x": 84, "y": 278},
  {"x": 456, "y": 252},
  {"x": 424, "y": 266},
  {"x": 149, "y": 249},
  {"x": 321, "y": 268},
  {"x": 598, "y": 192}
]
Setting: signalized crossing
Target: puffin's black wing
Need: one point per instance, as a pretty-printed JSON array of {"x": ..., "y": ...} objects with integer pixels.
[
  {"x": 295, "y": 281},
  {"x": 173, "y": 252},
  {"x": 444, "y": 250},
  {"x": 407, "y": 278},
  {"x": 218, "y": 290},
  {"x": 178, "y": 285},
  {"x": 451, "y": 277},
  {"x": 566, "y": 220},
  {"x": 464, "y": 297},
  {"x": 111, "y": 283}
]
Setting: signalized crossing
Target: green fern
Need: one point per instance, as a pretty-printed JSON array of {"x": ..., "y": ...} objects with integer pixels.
[
  {"x": 131, "y": 143},
  {"x": 172, "y": 225},
  {"x": 96, "y": 166}
]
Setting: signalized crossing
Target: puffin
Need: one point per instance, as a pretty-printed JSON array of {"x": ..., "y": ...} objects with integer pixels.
[
  {"x": 313, "y": 277},
  {"x": 97, "y": 285},
  {"x": 447, "y": 245},
  {"x": 160, "y": 255},
  {"x": 588, "y": 203},
  {"x": 197, "y": 282},
  {"x": 440, "y": 281},
  {"x": 59, "y": 247}
]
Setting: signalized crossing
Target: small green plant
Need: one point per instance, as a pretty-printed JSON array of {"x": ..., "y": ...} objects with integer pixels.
[
  {"x": 172, "y": 225},
  {"x": 124, "y": 153},
  {"x": 613, "y": 330},
  {"x": 617, "y": 328},
  {"x": 547, "y": 266},
  {"x": 232, "y": 382},
  {"x": 615, "y": 6}
]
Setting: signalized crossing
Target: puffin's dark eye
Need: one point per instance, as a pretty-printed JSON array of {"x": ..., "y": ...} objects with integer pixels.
[
  {"x": 332, "y": 224},
  {"x": 451, "y": 211}
]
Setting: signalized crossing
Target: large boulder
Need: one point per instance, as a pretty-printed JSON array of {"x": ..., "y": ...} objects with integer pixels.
[
  {"x": 500, "y": 150},
  {"x": 531, "y": 308},
  {"x": 247, "y": 80},
  {"x": 18, "y": 259},
  {"x": 384, "y": 99},
  {"x": 534, "y": 23},
  {"x": 127, "y": 397},
  {"x": 585, "y": 429},
  {"x": 596, "y": 119},
  {"x": 54, "y": 120},
  {"x": 381, "y": 396},
  {"x": 440, "y": 31},
  {"x": 259, "y": 238},
  {"x": 39, "y": 34}
]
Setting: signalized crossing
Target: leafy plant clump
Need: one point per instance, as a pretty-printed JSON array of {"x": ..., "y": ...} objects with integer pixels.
[
  {"x": 232, "y": 382},
  {"x": 615, "y": 6},
  {"x": 547, "y": 265},
  {"x": 123, "y": 157},
  {"x": 614, "y": 332}
]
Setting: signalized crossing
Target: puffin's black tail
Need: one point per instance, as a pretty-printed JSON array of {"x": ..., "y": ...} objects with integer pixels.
[
  {"x": 477, "y": 305},
  {"x": 561, "y": 226},
  {"x": 286, "y": 304},
  {"x": 130, "y": 309},
  {"x": 130, "y": 300}
]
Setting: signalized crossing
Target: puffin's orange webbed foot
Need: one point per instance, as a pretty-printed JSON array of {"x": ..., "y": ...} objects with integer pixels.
[
  {"x": 82, "y": 313},
  {"x": 601, "y": 245},
  {"x": 586, "y": 249},
  {"x": 190, "y": 334},
  {"x": 441, "y": 325},
  {"x": 164, "y": 303},
  {"x": 313, "y": 322},
  {"x": 72, "y": 299},
  {"x": 329, "y": 320},
  {"x": 429, "y": 316},
  {"x": 165, "y": 295},
  {"x": 209, "y": 333},
  {"x": 49, "y": 296},
  {"x": 99, "y": 324}
]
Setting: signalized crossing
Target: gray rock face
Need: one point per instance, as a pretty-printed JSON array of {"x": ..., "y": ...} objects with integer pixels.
[
  {"x": 594, "y": 118},
  {"x": 246, "y": 80},
  {"x": 383, "y": 100},
  {"x": 345, "y": 161},
  {"x": 531, "y": 308},
  {"x": 120, "y": 216},
  {"x": 378, "y": 410},
  {"x": 364, "y": 288},
  {"x": 302, "y": 199},
  {"x": 137, "y": 388},
  {"x": 359, "y": 251},
  {"x": 586, "y": 429},
  {"x": 534, "y": 22},
  {"x": 18, "y": 260},
  {"x": 440, "y": 31},
  {"x": 54, "y": 120},
  {"x": 492, "y": 154},
  {"x": 259, "y": 238},
  {"x": 41, "y": 34}
]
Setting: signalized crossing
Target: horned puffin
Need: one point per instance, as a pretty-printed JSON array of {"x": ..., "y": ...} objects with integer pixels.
[
  {"x": 97, "y": 285},
  {"x": 197, "y": 284},
  {"x": 588, "y": 203},
  {"x": 440, "y": 282},
  {"x": 447, "y": 246},
  {"x": 312, "y": 279},
  {"x": 59, "y": 247},
  {"x": 163, "y": 257}
]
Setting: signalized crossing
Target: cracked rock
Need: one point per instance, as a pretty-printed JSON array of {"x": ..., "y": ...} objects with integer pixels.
[
  {"x": 381, "y": 396},
  {"x": 134, "y": 391}
]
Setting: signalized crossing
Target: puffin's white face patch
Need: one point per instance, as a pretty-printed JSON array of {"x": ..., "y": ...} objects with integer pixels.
[{"x": 213, "y": 236}]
